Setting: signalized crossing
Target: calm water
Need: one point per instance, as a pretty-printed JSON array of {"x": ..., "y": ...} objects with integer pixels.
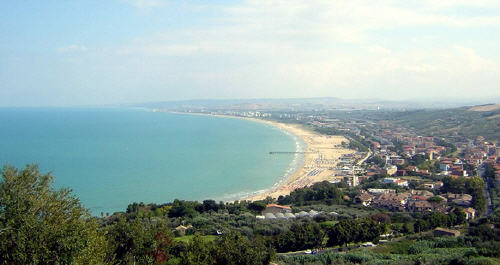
[{"x": 112, "y": 157}]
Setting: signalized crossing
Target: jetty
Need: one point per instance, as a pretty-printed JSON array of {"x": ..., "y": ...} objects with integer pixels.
[{"x": 275, "y": 152}]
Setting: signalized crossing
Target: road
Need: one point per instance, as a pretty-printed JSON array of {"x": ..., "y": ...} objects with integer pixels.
[
  {"x": 489, "y": 204},
  {"x": 360, "y": 162}
]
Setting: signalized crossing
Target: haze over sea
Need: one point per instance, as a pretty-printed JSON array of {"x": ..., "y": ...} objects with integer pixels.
[{"x": 111, "y": 157}]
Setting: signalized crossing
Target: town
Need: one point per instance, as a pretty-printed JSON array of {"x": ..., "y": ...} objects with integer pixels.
[{"x": 407, "y": 171}]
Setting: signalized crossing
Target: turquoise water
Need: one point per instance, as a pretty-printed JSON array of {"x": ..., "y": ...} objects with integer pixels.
[{"x": 112, "y": 157}]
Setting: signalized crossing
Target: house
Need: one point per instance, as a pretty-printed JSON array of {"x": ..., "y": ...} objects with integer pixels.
[
  {"x": 470, "y": 213},
  {"x": 394, "y": 202},
  {"x": 430, "y": 186},
  {"x": 412, "y": 168},
  {"x": 181, "y": 230},
  {"x": 396, "y": 181},
  {"x": 420, "y": 206},
  {"x": 433, "y": 185},
  {"x": 401, "y": 182},
  {"x": 464, "y": 200},
  {"x": 381, "y": 191},
  {"x": 391, "y": 170},
  {"x": 438, "y": 184},
  {"x": 446, "y": 232},
  {"x": 423, "y": 193},
  {"x": 401, "y": 173},
  {"x": 275, "y": 208},
  {"x": 364, "y": 198},
  {"x": 453, "y": 196},
  {"x": 444, "y": 166}
]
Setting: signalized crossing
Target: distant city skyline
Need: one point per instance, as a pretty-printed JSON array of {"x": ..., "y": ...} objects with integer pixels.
[{"x": 74, "y": 53}]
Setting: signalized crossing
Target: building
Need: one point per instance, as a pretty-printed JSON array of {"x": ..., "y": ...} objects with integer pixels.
[
  {"x": 397, "y": 181},
  {"x": 391, "y": 170},
  {"x": 364, "y": 198},
  {"x": 470, "y": 213},
  {"x": 464, "y": 200},
  {"x": 381, "y": 191},
  {"x": 181, "y": 230},
  {"x": 420, "y": 206},
  {"x": 391, "y": 201},
  {"x": 275, "y": 208}
]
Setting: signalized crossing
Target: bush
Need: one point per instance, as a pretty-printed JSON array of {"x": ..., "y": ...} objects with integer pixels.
[{"x": 420, "y": 247}]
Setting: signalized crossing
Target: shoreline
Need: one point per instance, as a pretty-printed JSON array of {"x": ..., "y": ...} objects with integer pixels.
[{"x": 322, "y": 153}]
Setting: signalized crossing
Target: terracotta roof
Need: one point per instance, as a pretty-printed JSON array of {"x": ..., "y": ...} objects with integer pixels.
[
  {"x": 278, "y": 206},
  {"x": 469, "y": 210}
]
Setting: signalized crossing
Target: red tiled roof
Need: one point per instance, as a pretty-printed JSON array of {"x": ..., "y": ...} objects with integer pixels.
[{"x": 278, "y": 206}]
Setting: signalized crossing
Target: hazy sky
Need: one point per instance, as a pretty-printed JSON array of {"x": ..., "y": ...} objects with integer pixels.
[{"x": 119, "y": 51}]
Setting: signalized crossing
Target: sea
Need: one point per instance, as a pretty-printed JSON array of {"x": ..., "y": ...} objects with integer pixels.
[{"x": 111, "y": 157}]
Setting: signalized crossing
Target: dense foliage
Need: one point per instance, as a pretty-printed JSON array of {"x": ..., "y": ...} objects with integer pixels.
[
  {"x": 41, "y": 225},
  {"x": 321, "y": 192},
  {"x": 474, "y": 186},
  {"x": 355, "y": 231}
]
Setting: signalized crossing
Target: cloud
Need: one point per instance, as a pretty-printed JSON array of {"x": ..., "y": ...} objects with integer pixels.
[
  {"x": 282, "y": 48},
  {"x": 73, "y": 48},
  {"x": 263, "y": 26}
]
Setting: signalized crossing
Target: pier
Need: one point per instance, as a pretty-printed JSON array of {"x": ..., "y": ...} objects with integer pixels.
[{"x": 273, "y": 153}]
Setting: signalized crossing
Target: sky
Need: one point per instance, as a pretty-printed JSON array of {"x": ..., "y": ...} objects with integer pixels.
[{"x": 71, "y": 53}]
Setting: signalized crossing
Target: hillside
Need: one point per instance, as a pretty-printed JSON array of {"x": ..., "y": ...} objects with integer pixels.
[
  {"x": 468, "y": 122},
  {"x": 488, "y": 107}
]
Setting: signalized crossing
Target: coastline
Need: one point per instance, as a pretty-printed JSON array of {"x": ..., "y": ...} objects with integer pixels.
[{"x": 321, "y": 156}]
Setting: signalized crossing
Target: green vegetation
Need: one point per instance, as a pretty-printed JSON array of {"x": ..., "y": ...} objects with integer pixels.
[
  {"x": 41, "y": 225},
  {"x": 355, "y": 231},
  {"x": 187, "y": 239},
  {"x": 489, "y": 176},
  {"x": 416, "y": 250},
  {"x": 319, "y": 193},
  {"x": 473, "y": 186},
  {"x": 451, "y": 123}
]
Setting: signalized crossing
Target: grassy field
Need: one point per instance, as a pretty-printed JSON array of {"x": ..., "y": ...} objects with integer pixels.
[{"x": 186, "y": 239}]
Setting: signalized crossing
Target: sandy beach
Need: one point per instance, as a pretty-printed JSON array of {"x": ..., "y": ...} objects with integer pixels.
[
  {"x": 321, "y": 156},
  {"x": 320, "y": 159}
]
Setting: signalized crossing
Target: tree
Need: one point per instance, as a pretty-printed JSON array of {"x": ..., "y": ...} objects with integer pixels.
[
  {"x": 42, "y": 225},
  {"x": 359, "y": 230},
  {"x": 435, "y": 199},
  {"x": 183, "y": 209},
  {"x": 138, "y": 241},
  {"x": 420, "y": 225},
  {"x": 210, "y": 205},
  {"x": 197, "y": 252},
  {"x": 229, "y": 249},
  {"x": 257, "y": 206},
  {"x": 235, "y": 249},
  {"x": 381, "y": 218},
  {"x": 300, "y": 236}
]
